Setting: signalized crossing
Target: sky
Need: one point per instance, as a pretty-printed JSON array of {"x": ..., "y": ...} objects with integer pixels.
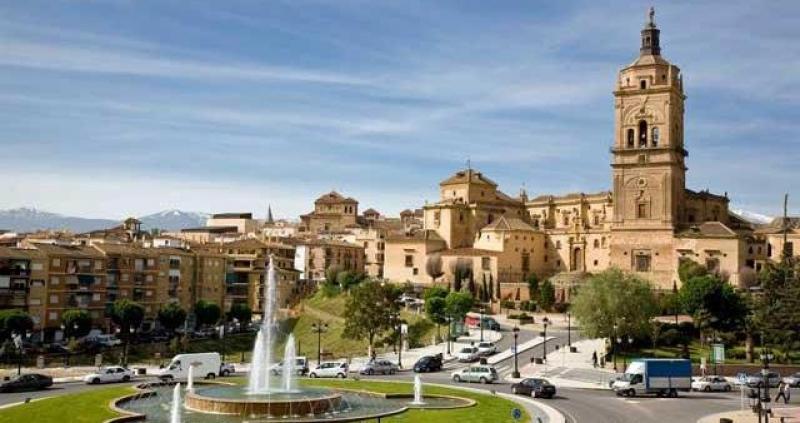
[{"x": 116, "y": 108}]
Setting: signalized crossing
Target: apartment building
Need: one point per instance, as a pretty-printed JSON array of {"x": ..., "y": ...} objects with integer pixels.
[
  {"x": 313, "y": 257},
  {"x": 132, "y": 272}
]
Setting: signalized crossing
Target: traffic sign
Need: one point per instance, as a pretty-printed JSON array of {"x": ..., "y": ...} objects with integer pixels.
[
  {"x": 516, "y": 414},
  {"x": 719, "y": 353}
]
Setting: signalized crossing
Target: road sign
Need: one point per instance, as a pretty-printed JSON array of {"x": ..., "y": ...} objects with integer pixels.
[
  {"x": 718, "y": 353},
  {"x": 516, "y": 414}
]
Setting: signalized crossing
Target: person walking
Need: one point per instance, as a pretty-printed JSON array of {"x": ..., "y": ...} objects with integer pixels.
[
  {"x": 783, "y": 392},
  {"x": 594, "y": 359}
]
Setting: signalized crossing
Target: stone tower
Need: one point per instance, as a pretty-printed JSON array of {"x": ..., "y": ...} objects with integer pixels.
[{"x": 648, "y": 164}]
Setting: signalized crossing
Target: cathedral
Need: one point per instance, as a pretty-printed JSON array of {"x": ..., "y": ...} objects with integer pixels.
[{"x": 646, "y": 224}]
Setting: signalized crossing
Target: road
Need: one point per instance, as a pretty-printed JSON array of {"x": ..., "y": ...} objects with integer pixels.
[{"x": 577, "y": 405}]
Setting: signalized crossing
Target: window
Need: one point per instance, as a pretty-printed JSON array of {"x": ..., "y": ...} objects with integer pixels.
[
  {"x": 54, "y": 280},
  {"x": 409, "y": 260},
  {"x": 789, "y": 249},
  {"x": 596, "y": 220},
  {"x": 643, "y": 84},
  {"x": 631, "y": 137},
  {"x": 712, "y": 265},
  {"x": 642, "y": 133},
  {"x": 642, "y": 262},
  {"x": 416, "y": 271},
  {"x": 641, "y": 211},
  {"x": 36, "y": 265},
  {"x": 656, "y": 137},
  {"x": 54, "y": 299},
  {"x": 486, "y": 263},
  {"x": 53, "y": 315},
  {"x": 596, "y": 243},
  {"x": 558, "y": 245},
  {"x": 603, "y": 242},
  {"x": 595, "y": 263},
  {"x": 56, "y": 262}
]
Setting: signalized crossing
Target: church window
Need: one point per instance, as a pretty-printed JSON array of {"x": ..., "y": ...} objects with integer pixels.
[
  {"x": 631, "y": 137},
  {"x": 558, "y": 245},
  {"x": 641, "y": 211},
  {"x": 566, "y": 220},
  {"x": 642, "y": 133},
  {"x": 597, "y": 243},
  {"x": 656, "y": 137},
  {"x": 490, "y": 218},
  {"x": 461, "y": 217},
  {"x": 596, "y": 220},
  {"x": 603, "y": 242},
  {"x": 409, "y": 260},
  {"x": 750, "y": 250},
  {"x": 642, "y": 84},
  {"x": 712, "y": 265}
]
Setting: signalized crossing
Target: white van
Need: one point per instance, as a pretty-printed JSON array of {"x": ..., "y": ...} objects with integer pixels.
[{"x": 206, "y": 365}]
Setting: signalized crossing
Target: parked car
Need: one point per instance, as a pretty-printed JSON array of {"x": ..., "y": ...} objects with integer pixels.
[
  {"x": 300, "y": 366},
  {"x": 468, "y": 354},
  {"x": 740, "y": 379},
  {"x": 792, "y": 380},
  {"x": 711, "y": 383},
  {"x": 535, "y": 387},
  {"x": 56, "y": 349},
  {"x": 226, "y": 369},
  {"x": 482, "y": 374},
  {"x": 330, "y": 369},
  {"x": 474, "y": 321},
  {"x": 756, "y": 380},
  {"x": 27, "y": 382},
  {"x": 206, "y": 365},
  {"x": 105, "y": 340},
  {"x": 487, "y": 348},
  {"x": 428, "y": 363},
  {"x": 108, "y": 375},
  {"x": 381, "y": 366}
]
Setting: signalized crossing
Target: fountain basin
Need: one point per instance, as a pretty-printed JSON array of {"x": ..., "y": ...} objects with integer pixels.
[{"x": 228, "y": 400}]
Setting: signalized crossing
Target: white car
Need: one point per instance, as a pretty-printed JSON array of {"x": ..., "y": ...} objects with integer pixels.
[
  {"x": 482, "y": 374},
  {"x": 468, "y": 354},
  {"x": 106, "y": 340},
  {"x": 711, "y": 383},
  {"x": 487, "y": 348},
  {"x": 226, "y": 369},
  {"x": 330, "y": 369},
  {"x": 109, "y": 375}
]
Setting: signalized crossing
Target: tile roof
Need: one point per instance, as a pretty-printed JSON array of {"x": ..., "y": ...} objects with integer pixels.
[
  {"x": 708, "y": 230},
  {"x": 468, "y": 252},
  {"x": 504, "y": 223},
  {"x": 468, "y": 176},
  {"x": 69, "y": 250},
  {"x": 20, "y": 253},
  {"x": 422, "y": 235},
  {"x": 776, "y": 226},
  {"x": 334, "y": 197},
  {"x": 125, "y": 249}
]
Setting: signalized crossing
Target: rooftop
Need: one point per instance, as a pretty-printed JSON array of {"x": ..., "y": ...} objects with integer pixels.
[
  {"x": 468, "y": 176},
  {"x": 232, "y": 216}
]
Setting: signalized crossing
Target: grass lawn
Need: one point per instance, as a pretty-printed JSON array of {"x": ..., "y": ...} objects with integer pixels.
[
  {"x": 696, "y": 352},
  {"x": 84, "y": 407},
  {"x": 92, "y": 406}
]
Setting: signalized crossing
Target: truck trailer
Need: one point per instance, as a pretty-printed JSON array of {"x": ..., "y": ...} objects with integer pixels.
[{"x": 662, "y": 377}]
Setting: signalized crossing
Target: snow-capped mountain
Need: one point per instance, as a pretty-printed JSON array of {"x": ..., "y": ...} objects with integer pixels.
[
  {"x": 172, "y": 220},
  {"x": 752, "y": 216},
  {"x": 25, "y": 219}
]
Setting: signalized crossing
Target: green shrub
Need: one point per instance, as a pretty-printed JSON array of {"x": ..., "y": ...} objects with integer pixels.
[{"x": 508, "y": 304}]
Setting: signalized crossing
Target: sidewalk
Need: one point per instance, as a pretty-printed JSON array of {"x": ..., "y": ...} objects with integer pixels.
[
  {"x": 572, "y": 370},
  {"x": 792, "y": 414}
]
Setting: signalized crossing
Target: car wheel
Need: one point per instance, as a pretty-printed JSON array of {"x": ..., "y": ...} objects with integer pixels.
[
  {"x": 95, "y": 381},
  {"x": 457, "y": 378},
  {"x": 728, "y": 388},
  {"x": 341, "y": 376},
  {"x": 631, "y": 393},
  {"x": 225, "y": 373},
  {"x": 393, "y": 371},
  {"x": 707, "y": 389},
  {"x": 484, "y": 381},
  {"x": 211, "y": 376},
  {"x": 370, "y": 372},
  {"x": 533, "y": 393},
  {"x": 312, "y": 375},
  {"x": 126, "y": 378},
  {"x": 514, "y": 391}
]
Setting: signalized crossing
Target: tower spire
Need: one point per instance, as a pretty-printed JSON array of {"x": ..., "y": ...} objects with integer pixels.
[
  {"x": 650, "y": 36},
  {"x": 270, "y": 220}
]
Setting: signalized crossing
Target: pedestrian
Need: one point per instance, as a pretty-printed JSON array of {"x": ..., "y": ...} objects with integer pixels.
[
  {"x": 783, "y": 392},
  {"x": 594, "y": 359}
]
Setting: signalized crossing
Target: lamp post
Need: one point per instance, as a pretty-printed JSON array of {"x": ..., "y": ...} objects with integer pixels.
[
  {"x": 319, "y": 328},
  {"x": 221, "y": 332},
  {"x": 483, "y": 311},
  {"x": 18, "y": 341},
  {"x": 449, "y": 336},
  {"x": 545, "y": 323},
  {"x": 515, "y": 374},
  {"x": 569, "y": 333},
  {"x": 614, "y": 346},
  {"x": 766, "y": 357}
]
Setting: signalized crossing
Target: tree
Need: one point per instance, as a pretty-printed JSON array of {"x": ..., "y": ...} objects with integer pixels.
[
  {"x": 240, "y": 312},
  {"x": 547, "y": 295},
  {"x": 688, "y": 269},
  {"x": 614, "y": 297},
  {"x": 433, "y": 267},
  {"x": 127, "y": 314},
  {"x": 347, "y": 280},
  {"x": 462, "y": 269},
  {"x": 458, "y": 304},
  {"x": 436, "y": 309},
  {"x": 171, "y": 317},
  {"x": 712, "y": 302},
  {"x": 434, "y": 291},
  {"x": 75, "y": 317},
  {"x": 207, "y": 313},
  {"x": 369, "y": 311},
  {"x": 776, "y": 312},
  {"x": 14, "y": 321},
  {"x": 533, "y": 287}
]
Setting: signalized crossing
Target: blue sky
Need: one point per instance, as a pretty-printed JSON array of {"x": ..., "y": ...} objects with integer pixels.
[{"x": 113, "y": 108}]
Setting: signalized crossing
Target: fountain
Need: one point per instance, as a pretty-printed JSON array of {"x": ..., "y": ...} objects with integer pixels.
[
  {"x": 190, "y": 379},
  {"x": 417, "y": 391},
  {"x": 175, "y": 408},
  {"x": 264, "y": 399}
]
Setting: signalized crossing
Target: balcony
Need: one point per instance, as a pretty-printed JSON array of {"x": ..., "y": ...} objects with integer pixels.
[{"x": 12, "y": 298}]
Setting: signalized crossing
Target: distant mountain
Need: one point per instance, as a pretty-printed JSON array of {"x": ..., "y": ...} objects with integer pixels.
[
  {"x": 26, "y": 219},
  {"x": 172, "y": 220},
  {"x": 752, "y": 216}
]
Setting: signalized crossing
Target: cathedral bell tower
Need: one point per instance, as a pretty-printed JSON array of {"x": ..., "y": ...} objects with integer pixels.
[
  {"x": 648, "y": 159},
  {"x": 648, "y": 153}
]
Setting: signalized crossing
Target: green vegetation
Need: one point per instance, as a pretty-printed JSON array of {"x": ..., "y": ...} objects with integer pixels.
[
  {"x": 171, "y": 316},
  {"x": 207, "y": 313},
  {"x": 76, "y": 322},
  {"x": 369, "y": 312},
  {"x": 14, "y": 321},
  {"x": 84, "y": 407}
]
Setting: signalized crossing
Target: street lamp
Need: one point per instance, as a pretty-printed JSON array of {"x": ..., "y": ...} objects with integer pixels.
[
  {"x": 449, "y": 336},
  {"x": 221, "y": 332},
  {"x": 483, "y": 311},
  {"x": 399, "y": 327},
  {"x": 515, "y": 374},
  {"x": 614, "y": 346},
  {"x": 18, "y": 341},
  {"x": 319, "y": 328},
  {"x": 569, "y": 333},
  {"x": 545, "y": 322}
]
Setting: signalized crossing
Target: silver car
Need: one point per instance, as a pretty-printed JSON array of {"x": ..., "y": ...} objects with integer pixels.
[
  {"x": 792, "y": 380},
  {"x": 757, "y": 380},
  {"x": 384, "y": 367}
]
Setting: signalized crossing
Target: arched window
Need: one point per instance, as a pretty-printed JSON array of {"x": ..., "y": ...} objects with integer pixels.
[
  {"x": 642, "y": 134},
  {"x": 656, "y": 137},
  {"x": 558, "y": 245},
  {"x": 596, "y": 243},
  {"x": 631, "y": 137},
  {"x": 642, "y": 84}
]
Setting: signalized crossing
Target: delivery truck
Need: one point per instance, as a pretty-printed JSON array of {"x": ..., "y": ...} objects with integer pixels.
[{"x": 662, "y": 377}]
